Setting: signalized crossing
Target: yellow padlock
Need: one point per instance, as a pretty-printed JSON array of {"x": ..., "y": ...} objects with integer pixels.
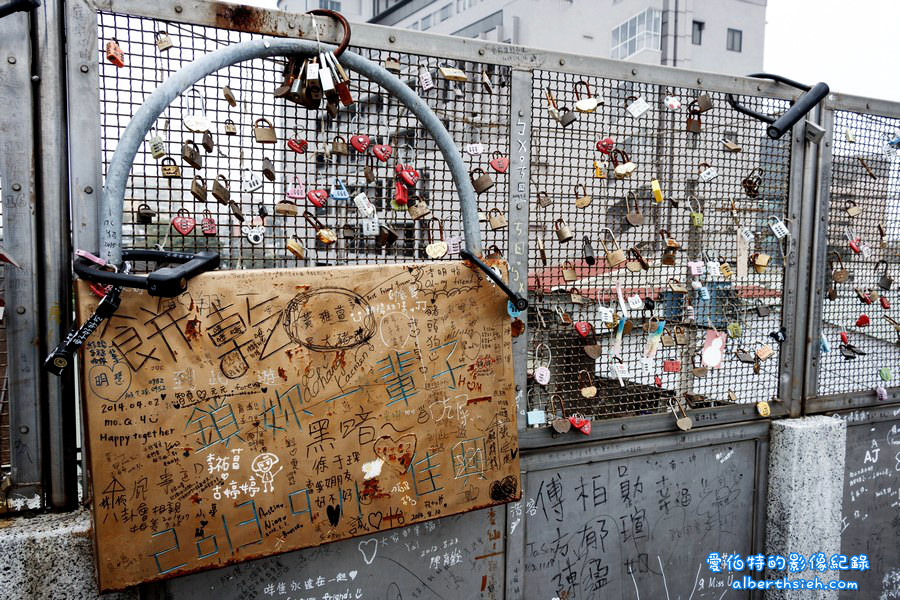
[{"x": 657, "y": 191}]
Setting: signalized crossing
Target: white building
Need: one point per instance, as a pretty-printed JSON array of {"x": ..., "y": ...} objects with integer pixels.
[{"x": 723, "y": 36}]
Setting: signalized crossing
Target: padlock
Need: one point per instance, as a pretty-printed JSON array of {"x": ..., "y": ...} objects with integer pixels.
[
  {"x": 762, "y": 407},
  {"x": 698, "y": 370},
  {"x": 114, "y": 53},
  {"x": 633, "y": 214},
  {"x": 551, "y": 104},
  {"x": 230, "y": 127},
  {"x": 586, "y": 384},
  {"x": 229, "y": 96},
  {"x": 318, "y": 198},
  {"x": 696, "y": 211},
  {"x": 885, "y": 303},
  {"x": 622, "y": 165},
  {"x": 656, "y": 191},
  {"x": 251, "y": 181},
  {"x": 296, "y": 191},
  {"x": 636, "y": 106},
  {"x": 208, "y": 224},
  {"x": 885, "y": 373},
  {"x": 287, "y": 208},
  {"x": 575, "y": 297},
  {"x": 853, "y": 209},
  {"x": 847, "y": 352},
  {"x": 637, "y": 263},
  {"x": 734, "y": 329},
  {"x": 496, "y": 219},
  {"x": 669, "y": 257},
  {"x": 762, "y": 310},
  {"x": 386, "y": 235},
  {"x": 221, "y": 191},
  {"x": 760, "y": 262},
  {"x": 325, "y": 235},
  {"x": 589, "y": 103},
  {"x": 369, "y": 170},
  {"x": 544, "y": 199},
  {"x": 542, "y": 372},
  {"x": 296, "y": 247},
  {"x": 777, "y": 226},
  {"x": 339, "y": 190},
  {"x": 704, "y": 103},
  {"x": 196, "y": 120},
  {"x": 268, "y": 168},
  {"x": 401, "y": 195},
  {"x": 563, "y": 233},
  {"x": 694, "y": 124},
  {"x": 436, "y": 248},
  {"x": 712, "y": 266},
  {"x": 254, "y": 233},
  {"x": 589, "y": 256},
  {"x": 838, "y": 274},
  {"x": 567, "y": 117},
  {"x": 764, "y": 352},
  {"x": 853, "y": 241},
  {"x": 672, "y": 102},
  {"x": 634, "y": 302},
  {"x": 864, "y": 297},
  {"x": 339, "y": 146},
  {"x": 863, "y": 320},
  {"x": 198, "y": 188},
  {"x": 696, "y": 268},
  {"x": 145, "y": 214},
  {"x": 452, "y": 73},
  {"x": 730, "y": 145},
  {"x": 157, "y": 147},
  {"x": 886, "y": 281},
  {"x": 191, "y": 154},
  {"x": 417, "y": 208},
  {"x": 582, "y": 198},
  {"x": 725, "y": 268},
  {"x": 498, "y": 162},
  {"x": 183, "y": 222},
  {"x": 751, "y": 182},
  {"x": 169, "y": 168},
  {"x": 236, "y": 211},
  {"x": 483, "y": 182},
  {"x": 425, "y": 80},
  {"x": 297, "y": 144},
  {"x": 706, "y": 172},
  {"x": 676, "y": 286},
  {"x": 392, "y": 64},
  {"x": 681, "y": 337},
  {"x": 207, "y": 142},
  {"x": 264, "y": 131},
  {"x": 364, "y": 205},
  {"x": 616, "y": 256},
  {"x": 163, "y": 41},
  {"x": 559, "y": 424},
  {"x": 669, "y": 240},
  {"x": 542, "y": 251},
  {"x": 568, "y": 272},
  {"x": 606, "y": 145},
  {"x": 475, "y": 149},
  {"x": 672, "y": 366},
  {"x": 599, "y": 170},
  {"x": 703, "y": 294},
  {"x": 744, "y": 356}
]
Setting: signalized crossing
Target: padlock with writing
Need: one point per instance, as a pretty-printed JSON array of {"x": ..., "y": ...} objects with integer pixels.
[
  {"x": 853, "y": 209},
  {"x": 496, "y": 219},
  {"x": 760, "y": 262},
  {"x": 633, "y": 214},
  {"x": 250, "y": 182},
  {"x": 563, "y": 233},
  {"x": 183, "y": 222},
  {"x": 482, "y": 182},
  {"x": 599, "y": 170},
  {"x": 296, "y": 247},
  {"x": 712, "y": 266},
  {"x": 208, "y": 224},
  {"x": 198, "y": 188},
  {"x": 542, "y": 372},
  {"x": 676, "y": 286},
  {"x": 190, "y": 152},
  {"x": 452, "y": 73},
  {"x": 672, "y": 366},
  {"x": 751, "y": 182},
  {"x": 325, "y": 235},
  {"x": 230, "y": 127},
  {"x": 706, "y": 172},
  {"x": 885, "y": 282},
  {"x": 425, "y": 80},
  {"x": 568, "y": 272},
  {"x": 254, "y": 233},
  {"x": 694, "y": 124},
  {"x": 417, "y": 208},
  {"x": 436, "y": 248},
  {"x": 339, "y": 146},
  {"x": 696, "y": 268},
  {"x": 667, "y": 339},
  {"x": 669, "y": 241},
  {"x": 615, "y": 256},
  {"x": 157, "y": 147},
  {"x": 764, "y": 352},
  {"x": 622, "y": 164},
  {"x": 544, "y": 199},
  {"x": 163, "y": 41},
  {"x": 681, "y": 336},
  {"x": 582, "y": 198},
  {"x": 114, "y": 53},
  {"x": 696, "y": 211},
  {"x": 169, "y": 168},
  {"x": 725, "y": 268},
  {"x": 636, "y": 106},
  {"x": 264, "y": 131}
]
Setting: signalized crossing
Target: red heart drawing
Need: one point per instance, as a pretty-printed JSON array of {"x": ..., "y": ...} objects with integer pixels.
[
  {"x": 583, "y": 328},
  {"x": 360, "y": 142},
  {"x": 382, "y": 152},
  {"x": 605, "y": 145},
  {"x": 183, "y": 225},
  {"x": 499, "y": 164},
  {"x": 297, "y": 145},
  {"x": 317, "y": 197},
  {"x": 862, "y": 321},
  {"x": 409, "y": 176}
]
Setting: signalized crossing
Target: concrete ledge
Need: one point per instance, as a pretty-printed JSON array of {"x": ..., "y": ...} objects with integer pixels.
[
  {"x": 806, "y": 477},
  {"x": 50, "y": 556}
]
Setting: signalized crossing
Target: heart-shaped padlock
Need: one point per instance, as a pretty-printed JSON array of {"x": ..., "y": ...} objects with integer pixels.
[
  {"x": 360, "y": 142},
  {"x": 408, "y": 174},
  {"x": 317, "y": 197},
  {"x": 183, "y": 222},
  {"x": 863, "y": 321},
  {"x": 583, "y": 328},
  {"x": 298, "y": 145},
  {"x": 382, "y": 152},
  {"x": 606, "y": 145},
  {"x": 580, "y": 423},
  {"x": 436, "y": 250},
  {"x": 499, "y": 163}
]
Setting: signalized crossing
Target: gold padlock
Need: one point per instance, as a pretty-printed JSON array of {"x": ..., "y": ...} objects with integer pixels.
[
  {"x": 325, "y": 235},
  {"x": 725, "y": 268},
  {"x": 221, "y": 190},
  {"x": 544, "y": 199},
  {"x": 452, "y": 73},
  {"x": 296, "y": 247},
  {"x": 264, "y": 134},
  {"x": 616, "y": 256},
  {"x": 339, "y": 146},
  {"x": 657, "y": 191},
  {"x": 169, "y": 168},
  {"x": 191, "y": 154},
  {"x": 568, "y": 272},
  {"x": 582, "y": 198},
  {"x": 765, "y": 351},
  {"x": 671, "y": 242},
  {"x": 761, "y": 262},
  {"x": 763, "y": 409},
  {"x": 418, "y": 208},
  {"x": 563, "y": 233},
  {"x": 163, "y": 41},
  {"x": 198, "y": 188},
  {"x": 230, "y": 127},
  {"x": 483, "y": 182},
  {"x": 496, "y": 219},
  {"x": 852, "y": 208}
]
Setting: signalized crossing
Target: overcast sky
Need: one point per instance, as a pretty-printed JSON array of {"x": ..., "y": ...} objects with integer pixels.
[{"x": 841, "y": 43}]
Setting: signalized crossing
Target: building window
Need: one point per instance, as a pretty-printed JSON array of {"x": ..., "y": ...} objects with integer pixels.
[
  {"x": 697, "y": 33},
  {"x": 426, "y": 22},
  {"x": 414, "y": 26},
  {"x": 446, "y": 11},
  {"x": 640, "y": 32},
  {"x": 735, "y": 40},
  {"x": 462, "y": 5},
  {"x": 330, "y": 5}
]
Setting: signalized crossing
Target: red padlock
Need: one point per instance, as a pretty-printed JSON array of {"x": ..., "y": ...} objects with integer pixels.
[
  {"x": 499, "y": 163},
  {"x": 208, "y": 224},
  {"x": 360, "y": 142},
  {"x": 854, "y": 245},
  {"x": 401, "y": 196},
  {"x": 581, "y": 424},
  {"x": 317, "y": 197},
  {"x": 885, "y": 304},
  {"x": 183, "y": 222},
  {"x": 382, "y": 152},
  {"x": 100, "y": 290},
  {"x": 863, "y": 321},
  {"x": 606, "y": 145},
  {"x": 845, "y": 339},
  {"x": 583, "y": 328},
  {"x": 671, "y": 366},
  {"x": 298, "y": 145},
  {"x": 408, "y": 174}
]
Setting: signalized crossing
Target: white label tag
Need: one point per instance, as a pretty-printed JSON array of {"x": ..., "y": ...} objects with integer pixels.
[
  {"x": 713, "y": 269},
  {"x": 425, "y": 80},
  {"x": 638, "y": 108},
  {"x": 708, "y": 174},
  {"x": 312, "y": 70},
  {"x": 475, "y": 149},
  {"x": 695, "y": 267},
  {"x": 865, "y": 250},
  {"x": 604, "y": 314},
  {"x": 454, "y": 244},
  {"x": 326, "y": 78},
  {"x": 537, "y": 417}
]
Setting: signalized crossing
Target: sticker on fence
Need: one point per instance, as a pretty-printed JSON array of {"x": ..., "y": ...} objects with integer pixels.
[{"x": 265, "y": 411}]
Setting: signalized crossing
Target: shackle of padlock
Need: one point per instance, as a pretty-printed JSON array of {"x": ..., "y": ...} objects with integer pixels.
[{"x": 811, "y": 96}]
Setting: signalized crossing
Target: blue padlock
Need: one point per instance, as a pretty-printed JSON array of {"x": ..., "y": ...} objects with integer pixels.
[{"x": 339, "y": 190}]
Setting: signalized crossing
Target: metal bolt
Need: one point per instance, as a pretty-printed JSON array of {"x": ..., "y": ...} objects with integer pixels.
[
  {"x": 178, "y": 8},
  {"x": 11, "y": 60},
  {"x": 634, "y": 71},
  {"x": 699, "y": 80},
  {"x": 868, "y": 105},
  {"x": 521, "y": 113},
  {"x": 20, "y": 310},
  {"x": 84, "y": 68},
  {"x": 518, "y": 388},
  {"x": 24, "y": 429},
  {"x": 35, "y": 78},
  {"x": 291, "y": 25},
  {"x": 518, "y": 206},
  {"x": 481, "y": 51},
  {"x": 759, "y": 88},
  {"x": 392, "y": 39},
  {"x": 624, "y": 427},
  {"x": 16, "y": 187},
  {"x": 88, "y": 190},
  {"x": 562, "y": 61}
]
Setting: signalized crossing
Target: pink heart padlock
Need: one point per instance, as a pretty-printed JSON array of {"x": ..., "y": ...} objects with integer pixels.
[
  {"x": 606, "y": 145},
  {"x": 317, "y": 197},
  {"x": 581, "y": 424},
  {"x": 863, "y": 321},
  {"x": 207, "y": 223},
  {"x": 408, "y": 174},
  {"x": 297, "y": 145},
  {"x": 183, "y": 222},
  {"x": 360, "y": 142},
  {"x": 499, "y": 163},
  {"x": 382, "y": 152},
  {"x": 583, "y": 328}
]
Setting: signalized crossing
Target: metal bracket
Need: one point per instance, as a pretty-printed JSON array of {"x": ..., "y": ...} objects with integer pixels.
[{"x": 778, "y": 127}]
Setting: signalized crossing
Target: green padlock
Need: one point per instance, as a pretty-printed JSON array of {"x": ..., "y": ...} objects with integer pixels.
[
  {"x": 735, "y": 330},
  {"x": 885, "y": 373},
  {"x": 696, "y": 211}
]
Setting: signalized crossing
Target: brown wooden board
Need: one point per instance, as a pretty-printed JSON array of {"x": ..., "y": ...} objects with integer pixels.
[{"x": 265, "y": 411}]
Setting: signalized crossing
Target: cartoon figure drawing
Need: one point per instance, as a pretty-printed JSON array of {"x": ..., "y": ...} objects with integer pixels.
[{"x": 263, "y": 464}]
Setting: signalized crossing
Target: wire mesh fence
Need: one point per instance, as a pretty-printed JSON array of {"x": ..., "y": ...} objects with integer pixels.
[
  {"x": 653, "y": 279},
  {"x": 860, "y": 331},
  {"x": 319, "y": 163}
]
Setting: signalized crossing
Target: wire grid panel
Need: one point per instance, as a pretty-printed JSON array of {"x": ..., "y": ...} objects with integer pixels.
[
  {"x": 5, "y": 458},
  {"x": 747, "y": 307},
  {"x": 474, "y": 111},
  {"x": 863, "y": 246}
]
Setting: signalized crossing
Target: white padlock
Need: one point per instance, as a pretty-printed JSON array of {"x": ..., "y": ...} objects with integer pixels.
[
  {"x": 777, "y": 227},
  {"x": 638, "y": 107}
]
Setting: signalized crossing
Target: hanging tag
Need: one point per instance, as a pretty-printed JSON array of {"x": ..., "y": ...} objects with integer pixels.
[
  {"x": 743, "y": 254},
  {"x": 624, "y": 306},
  {"x": 454, "y": 244},
  {"x": 713, "y": 268},
  {"x": 713, "y": 347},
  {"x": 620, "y": 370}
]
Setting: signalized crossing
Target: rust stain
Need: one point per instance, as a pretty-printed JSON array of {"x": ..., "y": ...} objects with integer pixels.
[
  {"x": 242, "y": 18},
  {"x": 282, "y": 373},
  {"x": 196, "y": 499},
  {"x": 192, "y": 330},
  {"x": 477, "y": 400},
  {"x": 518, "y": 328},
  {"x": 371, "y": 490}
]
